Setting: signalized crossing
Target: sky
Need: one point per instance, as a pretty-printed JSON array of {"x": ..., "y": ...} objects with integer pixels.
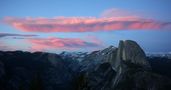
[{"x": 84, "y": 25}]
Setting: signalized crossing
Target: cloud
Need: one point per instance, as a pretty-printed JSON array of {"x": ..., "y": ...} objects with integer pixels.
[
  {"x": 5, "y": 47},
  {"x": 41, "y": 44},
  {"x": 115, "y": 12},
  {"x": 16, "y": 35},
  {"x": 84, "y": 24}
]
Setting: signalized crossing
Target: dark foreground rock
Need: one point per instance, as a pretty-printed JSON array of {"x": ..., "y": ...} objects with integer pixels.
[
  {"x": 122, "y": 68},
  {"x": 36, "y": 71}
]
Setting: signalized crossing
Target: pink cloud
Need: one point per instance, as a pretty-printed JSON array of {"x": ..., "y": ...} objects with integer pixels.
[
  {"x": 84, "y": 24},
  {"x": 115, "y": 12},
  {"x": 41, "y": 44},
  {"x": 5, "y": 47}
]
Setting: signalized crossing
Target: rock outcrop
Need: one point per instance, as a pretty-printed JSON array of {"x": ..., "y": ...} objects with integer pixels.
[
  {"x": 130, "y": 52},
  {"x": 129, "y": 55}
]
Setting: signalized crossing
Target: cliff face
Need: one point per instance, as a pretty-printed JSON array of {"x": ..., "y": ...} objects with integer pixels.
[{"x": 130, "y": 52}]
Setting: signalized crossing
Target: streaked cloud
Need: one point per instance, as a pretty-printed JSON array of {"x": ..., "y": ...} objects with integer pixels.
[
  {"x": 16, "y": 35},
  {"x": 41, "y": 44},
  {"x": 5, "y": 47},
  {"x": 84, "y": 24},
  {"x": 115, "y": 12}
]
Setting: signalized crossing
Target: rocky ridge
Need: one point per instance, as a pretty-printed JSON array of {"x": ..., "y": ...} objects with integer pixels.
[
  {"x": 122, "y": 68},
  {"x": 127, "y": 69}
]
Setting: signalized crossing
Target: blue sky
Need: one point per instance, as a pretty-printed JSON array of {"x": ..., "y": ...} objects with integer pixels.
[{"x": 152, "y": 39}]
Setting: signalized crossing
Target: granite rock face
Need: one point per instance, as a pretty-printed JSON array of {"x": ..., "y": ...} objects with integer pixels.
[
  {"x": 133, "y": 53},
  {"x": 130, "y": 52}
]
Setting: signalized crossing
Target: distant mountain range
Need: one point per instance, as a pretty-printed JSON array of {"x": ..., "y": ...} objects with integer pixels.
[
  {"x": 163, "y": 55},
  {"x": 125, "y": 67}
]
